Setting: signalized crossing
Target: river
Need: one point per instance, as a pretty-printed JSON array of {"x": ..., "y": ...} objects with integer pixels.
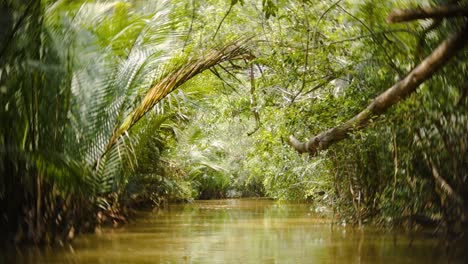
[{"x": 240, "y": 231}]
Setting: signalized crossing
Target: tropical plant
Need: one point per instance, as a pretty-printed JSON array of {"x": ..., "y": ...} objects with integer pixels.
[
  {"x": 91, "y": 122},
  {"x": 68, "y": 146}
]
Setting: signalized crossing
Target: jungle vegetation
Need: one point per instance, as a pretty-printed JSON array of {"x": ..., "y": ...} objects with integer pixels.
[{"x": 108, "y": 106}]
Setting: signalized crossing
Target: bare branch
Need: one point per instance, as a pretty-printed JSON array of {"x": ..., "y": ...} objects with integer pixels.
[
  {"x": 191, "y": 26},
  {"x": 376, "y": 40},
  {"x": 222, "y": 20}
]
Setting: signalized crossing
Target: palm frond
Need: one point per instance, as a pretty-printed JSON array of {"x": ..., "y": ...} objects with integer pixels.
[{"x": 178, "y": 76}]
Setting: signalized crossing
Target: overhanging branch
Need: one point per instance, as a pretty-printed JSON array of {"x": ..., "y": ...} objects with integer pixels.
[{"x": 399, "y": 91}]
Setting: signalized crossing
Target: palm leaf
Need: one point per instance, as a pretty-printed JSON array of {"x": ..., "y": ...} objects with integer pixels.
[{"x": 178, "y": 76}]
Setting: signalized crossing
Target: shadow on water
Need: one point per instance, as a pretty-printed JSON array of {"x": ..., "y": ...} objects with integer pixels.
[{"x": 242, "y": 231}]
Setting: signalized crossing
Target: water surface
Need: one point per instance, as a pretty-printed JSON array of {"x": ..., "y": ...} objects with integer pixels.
[{"x": 241, "y": 231}]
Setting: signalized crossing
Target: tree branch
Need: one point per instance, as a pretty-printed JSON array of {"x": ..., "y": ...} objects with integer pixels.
[
  {"x": 191, "y": 26},
  {"x": 427, "y": 12},
  {"x": 443, "y": 184},
  {"x": 376, "y": 40},
  {"x": 399, "y": 91},
  {"x": 222, "y": 20}
]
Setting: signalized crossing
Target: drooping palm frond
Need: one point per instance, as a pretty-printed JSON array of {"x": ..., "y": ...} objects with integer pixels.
[{"x": 178, "y": 76}]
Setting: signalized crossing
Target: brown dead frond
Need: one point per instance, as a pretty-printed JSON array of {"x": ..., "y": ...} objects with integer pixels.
[{"x": 179, "y": 75}]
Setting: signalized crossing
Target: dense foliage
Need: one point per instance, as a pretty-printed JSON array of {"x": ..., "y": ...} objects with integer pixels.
[{"x": 109, "y": 105}]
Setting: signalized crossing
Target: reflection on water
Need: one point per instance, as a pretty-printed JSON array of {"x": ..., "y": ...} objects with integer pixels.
[{"x": 239, "y": 231}]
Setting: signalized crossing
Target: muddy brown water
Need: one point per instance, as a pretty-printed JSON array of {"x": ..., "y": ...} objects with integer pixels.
[{"x": 242, "y": 231}]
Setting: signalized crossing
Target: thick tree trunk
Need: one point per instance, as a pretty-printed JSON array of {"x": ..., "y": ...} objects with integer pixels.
[{"x": 439, "y": 57}]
